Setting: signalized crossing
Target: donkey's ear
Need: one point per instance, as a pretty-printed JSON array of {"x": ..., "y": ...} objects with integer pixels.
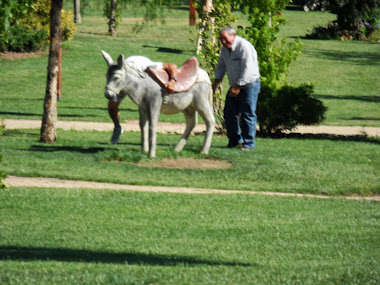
[
  {"x": 120, "y": 61},
  {"x": 107, "y": 57}
]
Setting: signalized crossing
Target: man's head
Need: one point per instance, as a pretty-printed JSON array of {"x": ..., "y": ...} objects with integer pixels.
[{"x": 227, "y": 37}]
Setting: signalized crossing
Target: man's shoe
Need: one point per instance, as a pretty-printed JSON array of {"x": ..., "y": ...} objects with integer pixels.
[
  {"x": 244, "y": 148},
  {"x": 116, "y": 135},
  {"x": 239, "y": 145}
]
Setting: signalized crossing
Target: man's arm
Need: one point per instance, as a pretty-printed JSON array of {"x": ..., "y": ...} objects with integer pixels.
[{"x": 171, "y": 69}]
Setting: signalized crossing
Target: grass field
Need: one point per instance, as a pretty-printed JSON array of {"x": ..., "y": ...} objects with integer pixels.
[
  {"x": 78, "y": 236},
  {"x": 311, "y": 165},
  {"x": 51, "y": 236},
  {"x": 344, "y": 73}
]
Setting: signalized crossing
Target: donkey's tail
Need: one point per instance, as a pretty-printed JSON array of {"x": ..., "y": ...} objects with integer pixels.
[{"x": 211, "y": 97}]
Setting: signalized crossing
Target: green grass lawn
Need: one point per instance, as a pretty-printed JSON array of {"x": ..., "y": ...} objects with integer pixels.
[
  {"x": 321, "y": 165},
  {"x": 344, "y": 73},
  {"x": 58, "y": 236},
  {"x": 77, "y": 236}
]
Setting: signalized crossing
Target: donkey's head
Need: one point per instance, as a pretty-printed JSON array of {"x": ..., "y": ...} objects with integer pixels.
[{"x": 115, "y": 75}]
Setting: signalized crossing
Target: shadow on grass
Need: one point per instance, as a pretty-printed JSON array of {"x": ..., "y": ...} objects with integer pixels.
[
  {"x": 163, "y": 49},
  {"x": 353, "y": 138},
  {"x": 99, "y": 108},
  {"x": 78, "y": 255},
  {"x": 20, "y": 114},
  {"x": 358, "y": 57},
  {"x": 50, "y": 148},
  {"x": 371, "y": 99},
  {"x": 364, "y": 119}
]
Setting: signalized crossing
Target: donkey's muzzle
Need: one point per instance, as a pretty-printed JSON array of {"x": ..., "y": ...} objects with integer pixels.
[{"x": 110, "y": 92}]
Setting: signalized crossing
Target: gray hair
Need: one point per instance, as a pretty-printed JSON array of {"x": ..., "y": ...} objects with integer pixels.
[{"x": 229, "y": 30}]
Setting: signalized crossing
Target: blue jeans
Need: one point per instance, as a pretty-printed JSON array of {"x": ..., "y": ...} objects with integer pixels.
[{"x": 243, "y": 132}]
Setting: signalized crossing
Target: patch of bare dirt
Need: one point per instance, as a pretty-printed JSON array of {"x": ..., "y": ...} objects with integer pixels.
[
  {"x": 187, "y": 163},
  {"x": 22, "y": 55}
]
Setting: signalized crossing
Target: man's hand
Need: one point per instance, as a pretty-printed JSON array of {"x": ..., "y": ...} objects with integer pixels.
[
  {"x": 215, "y": 85},
  {"x": 170, "y": 86},
  {"x": 234, "y": 91}
]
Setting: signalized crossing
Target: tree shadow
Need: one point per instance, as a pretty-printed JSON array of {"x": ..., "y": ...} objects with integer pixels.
[
  {"x": 98, "y": 108},
  {"x": 371, "y": 99},
  {"x": 62, "y": 116},
  {"x": 164, "y": 49},
  {"x": 20, "y": 114},
  {"x": 332, "y": 137},
  {"x": 90, "y": 256},
  {"x": 353, "y": 57},
  {"x": 52, "y": 148},
  {"x": 364, "y": 119}
]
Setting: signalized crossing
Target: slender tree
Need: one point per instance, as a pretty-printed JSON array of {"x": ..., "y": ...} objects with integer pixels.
[
  {"x": 48, "y": 128},
  {"x": 77, "y": 15},
  {"x": 112, "y": 19}
]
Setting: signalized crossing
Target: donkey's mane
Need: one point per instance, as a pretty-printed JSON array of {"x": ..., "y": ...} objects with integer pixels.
[{"x": 136, "y": 72}]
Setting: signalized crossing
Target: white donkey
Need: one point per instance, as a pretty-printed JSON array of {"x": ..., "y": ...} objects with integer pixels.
[{"x": 146, "y": 91}]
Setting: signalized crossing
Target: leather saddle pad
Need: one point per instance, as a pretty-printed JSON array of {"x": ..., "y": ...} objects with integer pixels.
[{"x": 186, "y": 75}]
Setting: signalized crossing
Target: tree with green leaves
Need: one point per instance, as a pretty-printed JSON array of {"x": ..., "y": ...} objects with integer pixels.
[
  {"x": 275, "y": 55},
  {"x": 11, "y": 12},
  {"x": 212, "y": 17}
]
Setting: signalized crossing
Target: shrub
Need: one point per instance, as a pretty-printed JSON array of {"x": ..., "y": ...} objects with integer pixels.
[
  {"x": 287, "y": 107},
  {"x": 356, "y": 20},
  {"x": 32, "y": 34},
  {"x": 364, "y": 32},
  {"x": 21, "y": 39},
  {"x": 39, "y": 19}
]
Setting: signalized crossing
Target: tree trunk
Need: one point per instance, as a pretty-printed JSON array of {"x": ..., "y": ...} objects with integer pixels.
[
  {"x": 112, "y": 21},
  {"x": 207, "y": 9},
  {"x": 192, "y": 13},
  {"x": 77, "y": 16},
  {"x": 49, "y": 120}
]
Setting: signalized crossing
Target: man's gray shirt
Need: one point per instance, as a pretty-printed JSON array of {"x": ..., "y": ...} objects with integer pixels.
[{"x": 240, "y": 63}]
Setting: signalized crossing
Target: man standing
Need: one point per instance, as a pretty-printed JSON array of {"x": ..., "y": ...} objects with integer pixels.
[
  {"x": 140, "y": 63},
  {"x": 238, "y": 58}
]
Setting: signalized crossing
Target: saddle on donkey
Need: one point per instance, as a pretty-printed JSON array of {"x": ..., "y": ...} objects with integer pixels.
[{"x": 186, "y": 75}]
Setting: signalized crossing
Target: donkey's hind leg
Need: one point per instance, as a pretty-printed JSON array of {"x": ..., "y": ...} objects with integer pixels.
[
  {"x": 205, "y": 110},
  {"x": 191, "y": 121},
  {"x": 144, "y": 127}
]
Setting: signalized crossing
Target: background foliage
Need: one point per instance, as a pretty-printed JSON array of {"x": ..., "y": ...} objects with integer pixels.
[
  {"x": 275, "y": 54},
  {"x": 11, "y": 12},
  {"x": 33, "y": 31}
]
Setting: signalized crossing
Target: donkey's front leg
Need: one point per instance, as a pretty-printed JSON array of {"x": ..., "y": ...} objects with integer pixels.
[
  {"x": 144, "y": 130},
  {"x": 153, "y": 124}
]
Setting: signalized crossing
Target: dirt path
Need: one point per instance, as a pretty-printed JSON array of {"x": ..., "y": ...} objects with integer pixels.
[
  {"x": 15, "y": 181},
  {"x": 178, "y": 128},
  {"x": 42, "y": 182}
]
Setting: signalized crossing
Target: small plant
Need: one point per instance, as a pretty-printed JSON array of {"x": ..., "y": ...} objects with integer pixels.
[{"x": 287, "y": 107}]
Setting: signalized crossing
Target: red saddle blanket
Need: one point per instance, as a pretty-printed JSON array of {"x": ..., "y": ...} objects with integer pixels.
[{"x": 186, "y": 75}]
